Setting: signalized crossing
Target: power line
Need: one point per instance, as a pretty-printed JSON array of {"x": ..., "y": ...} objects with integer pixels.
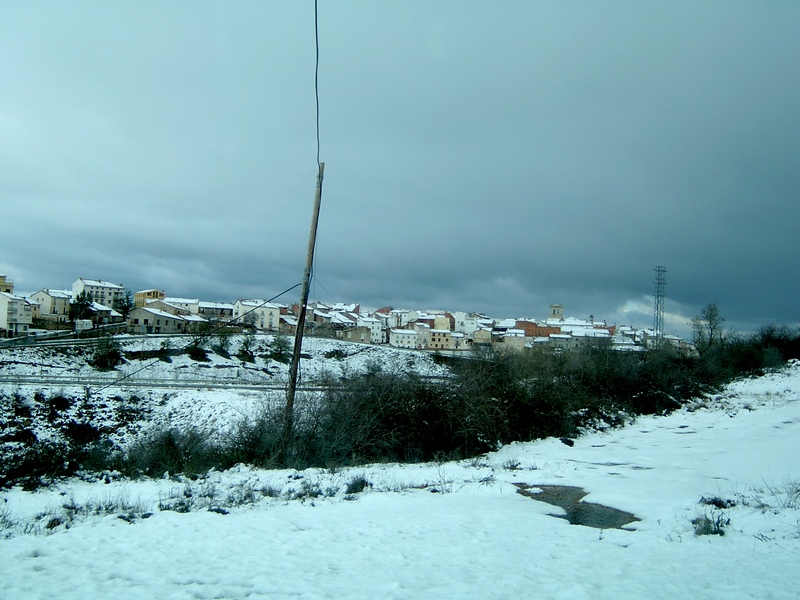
[{"x": 316, "y": 70}]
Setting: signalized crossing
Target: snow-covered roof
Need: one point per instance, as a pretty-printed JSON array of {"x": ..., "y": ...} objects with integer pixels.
[
  {"x": 12, "y": 296},
  {"x": 506, "y": 323},
  {"x": 515, "y": 333},
  {"x": 341, "y": 307},
  {"x": 586, "y": 331},
  {"x": 256, "y": 303},
  {"x": 97, "y": 307},
  {"x": 560, "y": 336},
  {"x": 165, "y": 301},
  {"x": 173, "y": 300},
  {"x": 220, "y": 305},
  {"x": 160, "y": 313},
  {"x": 622, "y": 340},
  {"x": 570, "y": 321},
  {"x": 193, "y": 318},
  {"x": 341, "y": 318},
  {"x": 100, "y": 283},
  {"x": 62, "y": 294}
]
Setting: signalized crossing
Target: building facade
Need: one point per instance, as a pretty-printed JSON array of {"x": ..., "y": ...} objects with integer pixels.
[
  {"x": 104, "y": 292},
  {"x": 145, "y": 320},
  {"x": 141, "y": 298},
  {"x": 260, "y": 314},
  {"x": 6, "y": 286},
  {"x": 404, "y": 338},
  {"x": 16, "y": 315},
  {"x": 53, "y": 304}
]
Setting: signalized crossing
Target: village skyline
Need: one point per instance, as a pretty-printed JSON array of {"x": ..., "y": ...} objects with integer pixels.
[{"x": 152, "y": 311}]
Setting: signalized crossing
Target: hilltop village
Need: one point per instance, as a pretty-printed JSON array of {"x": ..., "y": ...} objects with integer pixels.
[{"x": 94, "y": 304}]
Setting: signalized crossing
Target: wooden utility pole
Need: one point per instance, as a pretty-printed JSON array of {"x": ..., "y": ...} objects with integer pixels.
[{"x": 301, "y": 318}]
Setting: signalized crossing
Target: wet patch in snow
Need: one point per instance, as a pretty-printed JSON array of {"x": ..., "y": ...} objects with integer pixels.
[{"x": 576, "y": 512}]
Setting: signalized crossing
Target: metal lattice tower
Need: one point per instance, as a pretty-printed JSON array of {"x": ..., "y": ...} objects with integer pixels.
[{"x": 658, "y": 307}]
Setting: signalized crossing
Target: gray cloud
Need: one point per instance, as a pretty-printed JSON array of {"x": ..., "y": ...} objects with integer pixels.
[{"x": 494, "y": 157}]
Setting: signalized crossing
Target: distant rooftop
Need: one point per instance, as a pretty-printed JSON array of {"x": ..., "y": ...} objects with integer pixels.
[{"x": 100, "y": 283}]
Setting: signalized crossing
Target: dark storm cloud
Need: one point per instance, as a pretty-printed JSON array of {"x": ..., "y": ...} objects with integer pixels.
[{"x": 493, "y": 157}]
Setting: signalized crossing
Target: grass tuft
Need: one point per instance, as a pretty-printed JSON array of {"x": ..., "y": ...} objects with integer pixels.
[{"x": 711, "y": 524}]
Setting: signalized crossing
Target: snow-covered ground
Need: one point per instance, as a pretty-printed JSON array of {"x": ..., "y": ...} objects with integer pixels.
[
  {"x": 444, "y": 530},
  {"x": 155, "y": 389},
  {"x": 351, "y": 358}
]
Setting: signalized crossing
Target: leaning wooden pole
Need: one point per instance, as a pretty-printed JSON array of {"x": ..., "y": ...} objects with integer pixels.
[{"x": 301, "y": 318}]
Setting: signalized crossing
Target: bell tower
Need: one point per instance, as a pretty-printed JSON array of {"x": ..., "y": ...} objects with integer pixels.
[{"x": 556, "y": 312}]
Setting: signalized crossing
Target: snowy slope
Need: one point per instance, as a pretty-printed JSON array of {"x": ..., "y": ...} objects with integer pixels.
[{"x": 155, "y": 390}]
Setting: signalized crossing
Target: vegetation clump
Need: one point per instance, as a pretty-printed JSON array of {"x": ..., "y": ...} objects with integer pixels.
[
  {"x": 197, "y": 352},
  {"x": 711, "y": 524},
  {"x": 281, "y": 349},
  {"x": 107, "y": 354}
]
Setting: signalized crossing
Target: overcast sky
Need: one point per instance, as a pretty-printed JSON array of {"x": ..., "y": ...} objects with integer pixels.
[{"x": 479, "y": 156}]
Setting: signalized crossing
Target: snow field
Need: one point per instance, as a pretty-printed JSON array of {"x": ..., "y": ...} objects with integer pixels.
[{"x": 452, "y": 529}]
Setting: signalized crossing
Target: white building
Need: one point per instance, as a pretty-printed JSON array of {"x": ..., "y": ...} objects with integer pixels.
[
  {"x": 424, "y": 332},
  {"x": 467, "y": 322},
  {"x": 403, "y": 338},
  {"x": 375, "y": 329},
  {"x": 53, "y": 304},
  {"x": 104, "y": 292},
  {"x": 259, "y": 313},
  {"x": 401, "y": 318},
  {"x": 16, "y": 315}
]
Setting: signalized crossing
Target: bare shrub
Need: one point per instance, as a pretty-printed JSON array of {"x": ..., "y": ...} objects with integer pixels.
[
  {"x": 172, "y": 451},
  {"x": 357, "y": 485}
]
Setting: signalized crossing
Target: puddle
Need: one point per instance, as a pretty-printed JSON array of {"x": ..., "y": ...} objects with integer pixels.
[{"x": 569, "y": 497}]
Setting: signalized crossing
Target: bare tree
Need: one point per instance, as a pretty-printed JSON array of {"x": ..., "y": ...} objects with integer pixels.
[{"x": 707, "y": 328}]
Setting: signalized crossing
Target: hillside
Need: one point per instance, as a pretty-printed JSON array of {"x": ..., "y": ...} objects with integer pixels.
[{"x": 59, "y": 386}]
